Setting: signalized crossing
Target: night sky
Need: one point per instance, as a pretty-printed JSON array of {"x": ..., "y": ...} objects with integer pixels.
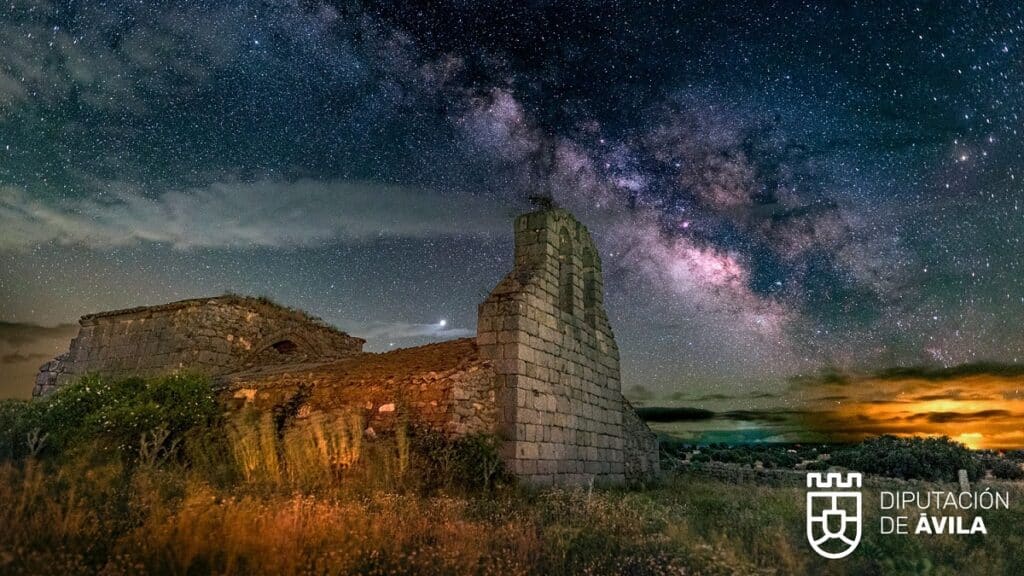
[{"x": 776, "y": 190}]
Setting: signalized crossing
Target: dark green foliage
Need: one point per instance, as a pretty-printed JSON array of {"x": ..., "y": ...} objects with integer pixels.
[
  {"x": 12, "y": 437},
  {"x": 935, "y": 459},
  {"x": 770, "y": 455},
  {"x": 471, "y": 462},
  {"x": 1006, "y": 469},
  {"x": 114, "y": 414}
]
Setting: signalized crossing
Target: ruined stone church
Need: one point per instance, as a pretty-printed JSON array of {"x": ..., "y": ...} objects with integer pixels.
[{"x": 542, "y": 372}]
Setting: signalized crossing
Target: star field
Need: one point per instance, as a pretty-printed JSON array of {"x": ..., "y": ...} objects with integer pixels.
[{"x": 774, "y": 190}]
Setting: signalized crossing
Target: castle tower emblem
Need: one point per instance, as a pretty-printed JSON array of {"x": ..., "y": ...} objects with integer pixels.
[{"x": 834, "y": 513}]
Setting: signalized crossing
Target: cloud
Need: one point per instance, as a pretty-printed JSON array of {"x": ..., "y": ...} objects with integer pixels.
[
  {"x": 938, "y": 373},
  {"x": 17, "y": 357},
  {"x": 721, "y": 396},
  {"x": 978, "y": 403},
  {"x": 23, "y": 348},
  {"x": 775, "y": 415},
  {"x": 962, "y": 417},
  {"x": 14, "y": 334},
  {"x": 265, "y": 213},
  {"x": 923, "y": 374},
  {"x": 955, "y": 394},
  {"x": 679, "y": 414},
  {"x": 401, "y": 330}
]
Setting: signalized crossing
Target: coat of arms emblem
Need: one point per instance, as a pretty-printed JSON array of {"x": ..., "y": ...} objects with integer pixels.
[{"x": 834, "y": 513}]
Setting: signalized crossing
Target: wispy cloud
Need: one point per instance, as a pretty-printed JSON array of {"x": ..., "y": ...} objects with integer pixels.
[
  {"x": 265, "y": 213},
  {"x": 402, "y": 330}
]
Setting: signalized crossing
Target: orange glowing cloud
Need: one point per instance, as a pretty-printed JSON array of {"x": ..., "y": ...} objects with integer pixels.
[{"x": 980, "y": 405}]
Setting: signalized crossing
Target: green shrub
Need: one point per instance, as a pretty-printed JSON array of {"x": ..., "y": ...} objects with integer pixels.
[
  {"x": 817, "y": 466},
  {"x": 1006, "y": 469},
  {"x": 470, "y": 462},
  {"x": 1015, "y": 455},
  {"x": 113, "y": 413},
  {"x": 935, "y": 459},
  {"x": 12, "y": 435}
]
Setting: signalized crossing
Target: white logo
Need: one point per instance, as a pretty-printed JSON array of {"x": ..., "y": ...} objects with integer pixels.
[{"x": 833, "y": 513}]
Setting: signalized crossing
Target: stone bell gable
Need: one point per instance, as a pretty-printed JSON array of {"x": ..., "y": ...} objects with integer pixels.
[
  {"x": 542, "y": 374},
  {"x": 545, "y": 331}
]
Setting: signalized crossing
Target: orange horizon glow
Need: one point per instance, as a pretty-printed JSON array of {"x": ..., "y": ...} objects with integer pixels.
[{"x": 983, "y": 411}]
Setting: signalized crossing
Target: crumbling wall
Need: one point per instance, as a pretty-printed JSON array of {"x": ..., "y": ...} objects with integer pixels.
[
  {"x": 641, "y": 453},
  {"x": 546, "y": 333},
  {"x": 210, "y": 336},
  {"x": 443, "y": 387}
]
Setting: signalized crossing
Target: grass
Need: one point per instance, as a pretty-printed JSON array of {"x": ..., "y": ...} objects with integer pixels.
[
  {"x": 239, "y": 495},
  {"x": 85, "y": 516}
]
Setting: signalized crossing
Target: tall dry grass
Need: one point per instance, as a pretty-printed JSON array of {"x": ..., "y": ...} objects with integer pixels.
[
  {"x": 172, "y": 521},
  {"x": 317, "y": 498}
]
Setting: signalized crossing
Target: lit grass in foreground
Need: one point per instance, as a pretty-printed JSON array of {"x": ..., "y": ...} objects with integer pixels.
[
  {"x": 150, "y": 477},
  {"x": 83, "y": 518}
]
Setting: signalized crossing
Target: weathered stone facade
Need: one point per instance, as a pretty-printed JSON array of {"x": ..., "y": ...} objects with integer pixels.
[
  {"x": 545, "y": 331},
  {"x": 445, "y": 387},
  {"x": 640, "y": 448},
  {"x": 542, "y": 373},
  {"x": 209, "y": 335}
]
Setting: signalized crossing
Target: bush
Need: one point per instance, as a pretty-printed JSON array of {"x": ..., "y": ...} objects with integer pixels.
[
  {"x": 125, "y": 416},
  {"x": 1007, "y": 469},
  {"x": 1015, "y": 455},
  {"x": 12, "y": 434},
  {"x": 470, "y": 462},
  {"x": 935, "y": 459}
]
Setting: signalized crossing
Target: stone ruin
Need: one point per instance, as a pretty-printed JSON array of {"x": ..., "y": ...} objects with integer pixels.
[
  {"x": 547, "y": 337},
  {"x": 211, "y": 336},
  {"x": 542, "y": 373}
]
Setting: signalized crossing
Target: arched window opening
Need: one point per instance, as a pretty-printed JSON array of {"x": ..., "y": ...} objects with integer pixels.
[
  {"x": 566, "y": 274},
  {"x": 285, "y": 347},
  {"x": 590, "y": 296}
]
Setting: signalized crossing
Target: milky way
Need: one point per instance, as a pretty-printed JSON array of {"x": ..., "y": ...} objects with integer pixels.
[{"x": 773, "y": 192}]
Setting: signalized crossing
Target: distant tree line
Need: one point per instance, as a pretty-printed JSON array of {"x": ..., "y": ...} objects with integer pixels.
[{"x": 933, "y": 459}]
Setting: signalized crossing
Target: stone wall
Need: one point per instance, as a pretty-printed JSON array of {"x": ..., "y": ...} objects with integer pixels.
[
  {"x": 640, "y": 448},
  {"x": 546, "y": 333},
  {"x": 443, "y": 387},
  {"x": 211, "y": 336},
  {"x": 543, "y": 372}
]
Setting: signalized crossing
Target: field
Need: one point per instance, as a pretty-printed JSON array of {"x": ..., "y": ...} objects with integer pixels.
[
  {"x": 144, "y": 478},
  {"x": 82, "y": 518}
]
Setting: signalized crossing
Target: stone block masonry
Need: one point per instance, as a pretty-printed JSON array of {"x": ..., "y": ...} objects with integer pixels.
[
  {"x": 444, "y": 387},
  {"x": 542, "y": 373},
  {"x": 211, "y": 336},
  {"x": 546, "y": 334}
]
